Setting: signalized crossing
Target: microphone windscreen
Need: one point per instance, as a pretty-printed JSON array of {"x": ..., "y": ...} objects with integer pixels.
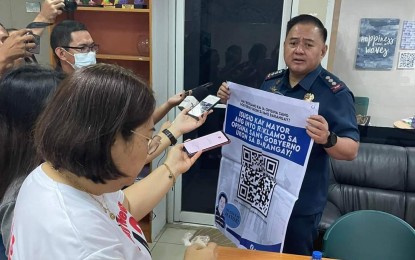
[{"x": 200, "y": 93}]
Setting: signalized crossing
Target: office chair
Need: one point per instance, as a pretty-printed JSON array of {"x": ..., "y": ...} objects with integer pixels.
[
  {"x": 361, "y": 105},
  {"x": 369, "y": 234}
]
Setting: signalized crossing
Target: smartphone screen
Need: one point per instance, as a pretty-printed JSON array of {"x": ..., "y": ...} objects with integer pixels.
[
  {"x": 206, "y": 142},
  {"x": 204, "y": 105}
]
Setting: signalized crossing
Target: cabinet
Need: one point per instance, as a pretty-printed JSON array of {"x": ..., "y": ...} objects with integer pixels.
[{"x": 122, "y": 35}]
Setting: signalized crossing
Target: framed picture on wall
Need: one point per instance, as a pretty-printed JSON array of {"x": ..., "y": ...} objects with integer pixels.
[{"x": 377, "y": 43}]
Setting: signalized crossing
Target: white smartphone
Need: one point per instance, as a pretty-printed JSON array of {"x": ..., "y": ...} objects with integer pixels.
[
  {"x": 206, "y": 142},
  {"x": 205, "y": 105}
]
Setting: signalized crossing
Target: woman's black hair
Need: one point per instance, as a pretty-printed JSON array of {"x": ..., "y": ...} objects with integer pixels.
[
  {"x": 79, "y": 126},
  {"x": 24, "y": 93}
]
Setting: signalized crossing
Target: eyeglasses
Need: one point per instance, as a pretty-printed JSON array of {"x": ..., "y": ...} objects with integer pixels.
[
  {"x": 84, "y": 49},
  {"x": 153, "y": 143}
]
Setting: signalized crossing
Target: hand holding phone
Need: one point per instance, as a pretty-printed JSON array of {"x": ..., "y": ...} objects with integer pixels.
[
  {"x": 205, "y": 143},
  {"x": 205, "y": 105},
  {"x": 36, "y": 49}
]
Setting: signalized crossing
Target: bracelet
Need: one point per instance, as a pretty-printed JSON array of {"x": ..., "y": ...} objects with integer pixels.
[
  {"x": 169, "y": 135},
  {"x": 171, "y": 175}
]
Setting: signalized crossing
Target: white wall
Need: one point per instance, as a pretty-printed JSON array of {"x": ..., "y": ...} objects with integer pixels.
[{"x": 391, "y": 93}]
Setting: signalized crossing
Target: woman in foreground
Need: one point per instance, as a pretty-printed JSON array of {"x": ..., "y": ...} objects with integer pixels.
[{"x": 95, "y": 136}]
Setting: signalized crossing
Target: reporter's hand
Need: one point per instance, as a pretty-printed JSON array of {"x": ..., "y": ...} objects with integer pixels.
[
  {"x": 224, "y": 93},
  {"x": 176, "y": 99},
  {"x": 207, "y": 253},
  {"x": 184, "y": 123},
  {"x": 50, "y": 10},
  {"x": 16, "y": 46},
  {"x": 178, "y": 160}
]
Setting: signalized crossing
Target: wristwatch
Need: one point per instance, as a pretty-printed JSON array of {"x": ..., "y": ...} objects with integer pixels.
[
  {"x": 171, "y": 137},
  {"x": 331, "y": 140}
]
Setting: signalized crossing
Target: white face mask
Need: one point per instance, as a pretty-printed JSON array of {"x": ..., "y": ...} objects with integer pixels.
[{"x": 83, "y": 59}]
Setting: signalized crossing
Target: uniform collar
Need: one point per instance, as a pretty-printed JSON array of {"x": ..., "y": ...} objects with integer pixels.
[{"x": 308, "y": 80}]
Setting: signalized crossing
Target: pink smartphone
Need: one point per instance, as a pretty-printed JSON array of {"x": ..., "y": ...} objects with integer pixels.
[{"x": 205, "y": 143}]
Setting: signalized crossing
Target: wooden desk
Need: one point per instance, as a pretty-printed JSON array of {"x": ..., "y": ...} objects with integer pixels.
[{"x": 232, "y": 253}]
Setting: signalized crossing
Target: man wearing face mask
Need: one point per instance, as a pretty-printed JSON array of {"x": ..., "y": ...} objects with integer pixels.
[{"x": 73, "y": 46}]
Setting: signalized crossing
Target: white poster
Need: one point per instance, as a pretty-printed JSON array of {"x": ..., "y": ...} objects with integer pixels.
[{"x": 263, "y": 167}]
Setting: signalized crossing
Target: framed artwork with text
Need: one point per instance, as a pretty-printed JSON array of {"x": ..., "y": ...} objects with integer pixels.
[{"x": 377, "y": 43}]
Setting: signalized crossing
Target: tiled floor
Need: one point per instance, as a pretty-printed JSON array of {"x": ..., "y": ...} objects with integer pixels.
[{"x": 169, "y": 244}]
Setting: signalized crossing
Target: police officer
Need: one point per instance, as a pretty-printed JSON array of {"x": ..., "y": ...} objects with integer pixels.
[{"x": 334, "y": 130}]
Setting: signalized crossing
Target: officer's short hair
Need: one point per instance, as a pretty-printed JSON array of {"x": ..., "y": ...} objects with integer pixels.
[{"x": 307, "y": 19}]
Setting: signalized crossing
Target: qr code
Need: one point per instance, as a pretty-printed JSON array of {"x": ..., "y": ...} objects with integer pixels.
[
  {"x": 406, "y": 60},
  {"x": 257, "y": 179},
  {"x": 205, "y": 106}
]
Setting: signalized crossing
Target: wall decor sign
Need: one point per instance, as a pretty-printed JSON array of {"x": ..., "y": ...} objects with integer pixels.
[
  {"x": 32, "y": 7},
  {"x": 408, "y": 35},
  {"x": 377, "y": 43}
]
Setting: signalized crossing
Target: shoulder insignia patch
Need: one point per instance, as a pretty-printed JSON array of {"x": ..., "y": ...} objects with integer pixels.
[
  {"x": 333, "y": 83},
  {"x": 274, "y": 74},
  {"x": 336, "y": 88}
]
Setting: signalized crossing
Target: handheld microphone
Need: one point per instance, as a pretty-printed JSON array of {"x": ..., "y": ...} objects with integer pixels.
[{"x": 197, "y": 94}]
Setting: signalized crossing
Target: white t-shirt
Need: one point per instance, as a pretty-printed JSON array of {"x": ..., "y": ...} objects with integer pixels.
[{"x": 56, "y": 221}]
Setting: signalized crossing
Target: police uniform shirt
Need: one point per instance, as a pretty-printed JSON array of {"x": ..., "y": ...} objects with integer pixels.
[{"x": 336, "y": 106}]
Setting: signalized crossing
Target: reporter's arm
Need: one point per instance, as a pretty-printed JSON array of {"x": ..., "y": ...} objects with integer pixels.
[
  {"x": 48, "y": 13},
  {"x": 182, "y": 124},
  {"x": 162, "y": 110},
  {"x": 143, "y": 196},
  {"x": 164, "y": 142}
]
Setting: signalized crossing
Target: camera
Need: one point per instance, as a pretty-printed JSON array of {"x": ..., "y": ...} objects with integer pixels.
[{"x": 70, "y": 6}]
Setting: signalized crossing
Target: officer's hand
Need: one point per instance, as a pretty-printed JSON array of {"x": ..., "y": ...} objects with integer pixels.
[
  {"x": 224, "y": 93},
  {"x": 318, "y": 129}
]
